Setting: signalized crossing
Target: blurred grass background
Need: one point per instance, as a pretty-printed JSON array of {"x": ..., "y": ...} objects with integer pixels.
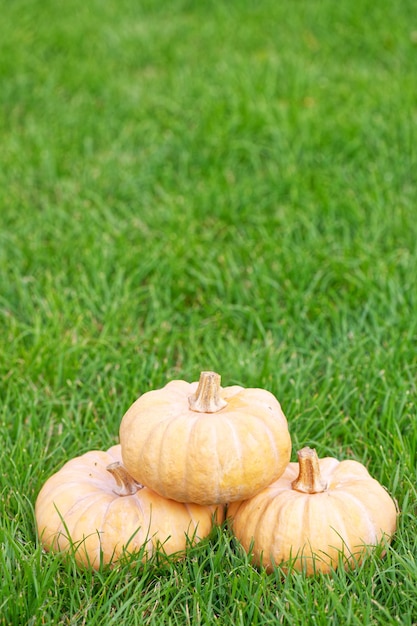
[{"x": 203, "y": 185}]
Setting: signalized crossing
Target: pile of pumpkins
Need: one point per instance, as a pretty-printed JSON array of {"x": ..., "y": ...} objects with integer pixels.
[{"x": 194, "y": 454}]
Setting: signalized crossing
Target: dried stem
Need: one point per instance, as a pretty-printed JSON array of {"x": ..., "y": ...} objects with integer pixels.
[
  {"x": 309, "y": 479},
  {"x": 207, "y": 397},
  {"x": 126, "y": 485}
]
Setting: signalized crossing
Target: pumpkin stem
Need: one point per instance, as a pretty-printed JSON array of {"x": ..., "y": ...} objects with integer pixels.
[
  {"x": 309, "y": 479},
  {"x": 126, "y": 485},
  {"x": 207, "y": 397}
]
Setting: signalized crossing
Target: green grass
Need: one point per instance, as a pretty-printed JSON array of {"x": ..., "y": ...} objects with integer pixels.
[{"x": 207, "y": 185}]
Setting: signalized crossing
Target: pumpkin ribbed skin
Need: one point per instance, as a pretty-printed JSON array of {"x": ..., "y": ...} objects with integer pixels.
[
  {"x": 352, "y": 513},
  {"x": 78, "y": 510},
  {"x": 207, "y": 457}
]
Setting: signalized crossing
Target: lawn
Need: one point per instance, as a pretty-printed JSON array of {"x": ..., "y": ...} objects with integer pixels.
[{"x": 194, "y": 185}]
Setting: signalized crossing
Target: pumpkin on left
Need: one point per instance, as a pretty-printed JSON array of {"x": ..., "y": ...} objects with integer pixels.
[{"x": 93, "y": 508}]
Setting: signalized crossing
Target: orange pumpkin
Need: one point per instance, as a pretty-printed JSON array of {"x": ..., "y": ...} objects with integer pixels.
[
  {"x": 199, "y": 442},
  {"x": 316, "y": 512},
  {"x": 94, "y": 508}
]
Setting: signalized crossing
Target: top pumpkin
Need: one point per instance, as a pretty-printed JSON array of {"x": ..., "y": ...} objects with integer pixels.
[{"x": 199, "y": 442}]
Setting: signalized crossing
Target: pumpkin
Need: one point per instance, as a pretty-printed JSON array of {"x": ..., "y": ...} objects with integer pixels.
[
  {"x": 199, "y": 442},
  {"x": 93, "y": 508},
  {"x": 315, "y": 513}
]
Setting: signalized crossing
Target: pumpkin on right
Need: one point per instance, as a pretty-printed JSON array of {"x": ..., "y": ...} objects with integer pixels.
[{"x": 319, "y": 513}]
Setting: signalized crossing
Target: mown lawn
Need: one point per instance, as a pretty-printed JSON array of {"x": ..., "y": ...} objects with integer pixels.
[{"x": 194, "y": 185}]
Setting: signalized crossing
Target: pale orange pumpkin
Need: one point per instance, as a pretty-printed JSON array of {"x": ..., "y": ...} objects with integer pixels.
[
  {"x": 318, "y": 512},
  {"x": 199, "y": 442},
  {"x": 93, "y": 508}
]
